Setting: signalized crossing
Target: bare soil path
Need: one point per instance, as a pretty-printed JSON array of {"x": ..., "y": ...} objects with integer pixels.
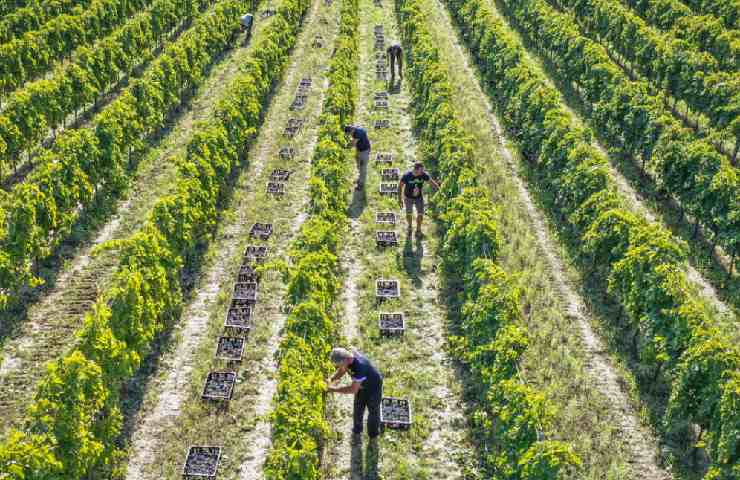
[
  {"x": 172, "y": 415},
  {"x": 46, "y": 328}
]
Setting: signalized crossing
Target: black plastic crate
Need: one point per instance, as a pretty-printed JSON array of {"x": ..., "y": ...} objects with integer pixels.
[
  {"x": 255, "y": 254},
  {"x": 380, "y": 96},
  {"x": 219, "y": 386},
  {"x": 305, "y": 82},
  {"x": 395, "y": 413},
  {"x": 386, "y": 218},
  {"x": 381, "y": 104},
  {"x": 267, "y": 13},
  {"x": 248, "y": 273},
  {"x": 278, "y": 175},
  {"x": 246, "y": 291},
  {"x": 379, "y": 44},
  {"x": 378, "y": 29},
  {"x": 230, "y": 348},
  {"x": 390, "y": 174},
  {"x": 384, "y": 157},
  {"x": 201, "y": 462},
  {"x": 294, "y": 126},
  {"x": 261, "y": 230},
  {"x": 386, "y": 239},
  {"x": 299, "y": 102},
  {"x": 287, "y": 153},
  {"x": 385, "y": 123},
  {"x": 239, "y": 316},
  {"x": 391, "y": 323},
  {"x": 386, "y": 289},
  {"x": 388, "y": 189},
  {"x": 276, "y": 188}
]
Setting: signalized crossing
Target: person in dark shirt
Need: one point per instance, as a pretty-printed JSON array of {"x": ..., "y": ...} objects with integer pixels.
[
  {"x": 410, "y": 191},
  {"x": 362, "y": 143},
  {"x": 366, "y": 386},
  {"x": 395, "y": 55}
]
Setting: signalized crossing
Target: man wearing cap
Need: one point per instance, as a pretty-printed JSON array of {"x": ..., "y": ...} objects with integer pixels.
[{"x": 366, "y": 386}]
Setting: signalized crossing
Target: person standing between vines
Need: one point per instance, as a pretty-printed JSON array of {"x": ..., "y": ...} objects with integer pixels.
[
  {"x": 362, "y": 143},
  {"x": 410, "y": 192},
  {"x": 395, "y": 55},
  {"x": 366, "y": 386}
]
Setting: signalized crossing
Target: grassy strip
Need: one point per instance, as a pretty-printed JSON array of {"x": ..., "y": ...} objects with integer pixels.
[
  {"x": 298, "y": 421},
  {"x": 676, "y": 338},
  {"x": 31, "y": 54},
  {"x": 34, "y": 15},
  {"x": 74, "y": 422},
  {"x": 45, "y": 104},
  {"x": 511, "y": 415},
  {"x": 636, "y": 124},
  {"x": 92, "y": 164}
]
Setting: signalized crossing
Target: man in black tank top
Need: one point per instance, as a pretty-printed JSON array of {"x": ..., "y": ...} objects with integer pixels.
[{"x": 367, "y": 387}]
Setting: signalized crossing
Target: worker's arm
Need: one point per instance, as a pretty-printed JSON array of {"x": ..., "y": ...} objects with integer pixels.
[
  {"x": 434, "y": 182},
  {"x": 338, "y": 374},
  {"x": 351, "y": 389},
  {"x": 401, "y": 188}
]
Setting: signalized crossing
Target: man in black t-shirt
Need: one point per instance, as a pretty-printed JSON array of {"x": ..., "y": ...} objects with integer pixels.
[
  {"x": 410, "y": 190},
  {"x": 366, "y": 386},
  {"x": 362, "y": 143}
]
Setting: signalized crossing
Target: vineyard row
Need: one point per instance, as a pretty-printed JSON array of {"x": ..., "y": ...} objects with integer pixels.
[
  {"x": 641, "y": 263},
  {"x": 45, "y": 104},
  {"x": 685, "y": 73},
  {"x": 33, "y": 16},
  {"x": 635, "y": 123},
  {"x": 28, "y": 56},
  {"x": 91, "y": 164},
  {"x": 299, "y": 427},
  {"x": 706, "y": 32},
  {"x": 74, "y": 422}
]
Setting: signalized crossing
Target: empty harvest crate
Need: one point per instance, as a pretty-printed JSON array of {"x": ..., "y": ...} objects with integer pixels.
[
  {"x": 387, "y": 289},
  {"x": 201, "y": 463},
  {"x": 276, "y": 188},
  {"x": 391, "y": 323},
  {"x": 230, "y": 348},
  {"x": 278, "y": 175},
  {"x": 255, "y": 254},
  {"x": 219, "y": 386},
  {"x": 383, "y": 157},
  {"x": 395, "y": 413},
  {"x": 287, "y": 153},
  {"x": 386, "y": 239},
  {"x": 261, "y": 230},
  {"x": 248, "y": 273},
  {"x": 389, "y": 174},
  {"x": 385, "y": 123},
  {"x": 388, "y": 189},
  {"x": 239, "y": 316},
  {"x": 246, "y": 291},
  {"x": 388, "y": 218}
]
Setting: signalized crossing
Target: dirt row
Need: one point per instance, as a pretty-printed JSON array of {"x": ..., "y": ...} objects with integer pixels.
[
  {"x": 172, "y": 415},
  {"x": 415, "y": 365},
  {"x": 46, "y": 328}
]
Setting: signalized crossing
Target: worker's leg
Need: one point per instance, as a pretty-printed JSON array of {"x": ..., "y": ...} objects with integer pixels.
[
  {"x": 400, "y": 64},
  {"x": 362, "y": 159},
  {"x": 392, "y": 59},
  {"x": 419, "y": 213},
  {"x": 409, "y": 211},
  {"x": 373, "y": 412},
  {"x": 359, "y": 412}
]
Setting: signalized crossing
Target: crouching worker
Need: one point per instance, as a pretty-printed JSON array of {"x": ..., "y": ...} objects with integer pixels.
[{"x": 366, "y": 386}]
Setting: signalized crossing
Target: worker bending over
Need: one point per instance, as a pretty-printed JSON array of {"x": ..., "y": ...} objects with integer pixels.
[
  {"x": 395, "y": 55},
  {"x": 362, "y": 143},
  {"x": 366, "y": 386}
]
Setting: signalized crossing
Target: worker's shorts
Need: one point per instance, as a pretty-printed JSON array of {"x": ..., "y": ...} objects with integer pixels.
[{"x": 417, "y": 202}]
